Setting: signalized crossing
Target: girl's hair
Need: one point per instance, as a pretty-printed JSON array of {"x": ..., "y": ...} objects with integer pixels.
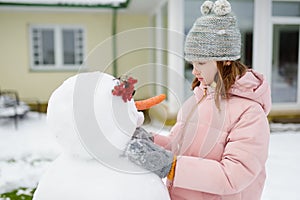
[{"x": 225, "y": 78}]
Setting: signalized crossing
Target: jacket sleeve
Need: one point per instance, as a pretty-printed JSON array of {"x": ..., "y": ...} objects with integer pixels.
[
  {"x": 243, "y": 159},
  {"x": 169, "y": 140},
  {"x": 162, "y": 141}
]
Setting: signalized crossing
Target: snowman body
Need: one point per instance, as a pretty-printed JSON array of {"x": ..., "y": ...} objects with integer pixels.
[{"x": 93, "y": 127}]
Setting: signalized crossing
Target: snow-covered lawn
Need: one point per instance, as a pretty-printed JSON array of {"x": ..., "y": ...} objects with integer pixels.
[{"x": 26, "y": 152}]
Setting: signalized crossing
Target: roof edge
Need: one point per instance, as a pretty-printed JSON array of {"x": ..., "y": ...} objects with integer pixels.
[{"x": 121, "y": 5}]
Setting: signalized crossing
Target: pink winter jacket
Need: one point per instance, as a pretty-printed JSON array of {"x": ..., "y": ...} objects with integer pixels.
[{"x": 221, "y": 153}]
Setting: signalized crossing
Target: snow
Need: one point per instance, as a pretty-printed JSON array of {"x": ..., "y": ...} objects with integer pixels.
[
  {"x": 26, "y": 152},
  {"x": 283, "y": 167},
  {"x": 75, "y": 178}
]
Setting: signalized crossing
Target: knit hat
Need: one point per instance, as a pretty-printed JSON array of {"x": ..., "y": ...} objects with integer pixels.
[{"x": 215, "y": 35}]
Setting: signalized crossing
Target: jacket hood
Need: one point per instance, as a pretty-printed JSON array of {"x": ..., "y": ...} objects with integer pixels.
[{"x": 253, "y": 86}]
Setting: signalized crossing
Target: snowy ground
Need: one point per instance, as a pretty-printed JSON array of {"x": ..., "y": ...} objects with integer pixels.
[{"x": 26, "y": 152}]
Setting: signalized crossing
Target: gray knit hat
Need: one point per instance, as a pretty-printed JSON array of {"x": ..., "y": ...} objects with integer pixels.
[{"x": 215, "y": 35}]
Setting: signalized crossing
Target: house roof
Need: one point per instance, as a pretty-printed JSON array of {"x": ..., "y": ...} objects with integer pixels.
[{"x": 67, "y": 3}]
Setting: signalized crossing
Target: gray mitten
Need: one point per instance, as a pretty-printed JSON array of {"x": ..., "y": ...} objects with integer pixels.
[
  {"x": 141, "y": 133},
  {"x": 150, "y": 156}
]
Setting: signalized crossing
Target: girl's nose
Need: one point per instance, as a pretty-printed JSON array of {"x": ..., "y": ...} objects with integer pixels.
[{"x": 195, "y": 71}]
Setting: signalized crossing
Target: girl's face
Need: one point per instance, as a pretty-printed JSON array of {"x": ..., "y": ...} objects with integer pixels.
[{"x": 205, "y": 71}]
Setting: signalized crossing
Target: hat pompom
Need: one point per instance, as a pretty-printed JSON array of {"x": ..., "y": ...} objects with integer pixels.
[
  {"x": 222, "y": 7},
  {"x": 207, "y": 7}
]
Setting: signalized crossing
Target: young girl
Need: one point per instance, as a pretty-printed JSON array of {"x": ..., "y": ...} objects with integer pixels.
[{"x": 219, "y": 144}]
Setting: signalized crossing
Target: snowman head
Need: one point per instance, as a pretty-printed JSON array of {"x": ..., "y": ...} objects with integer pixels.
[{"x": 88, "y": 119}]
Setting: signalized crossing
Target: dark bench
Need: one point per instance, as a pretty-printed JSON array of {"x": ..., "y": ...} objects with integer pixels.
[{"x": 11, "y": 106}]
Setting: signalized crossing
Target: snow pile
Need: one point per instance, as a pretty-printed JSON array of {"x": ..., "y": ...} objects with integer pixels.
[
  {"x": 25, "y": 152},
  {"x": 283, "y": 172},
  {"x": 284, "y": 128}
]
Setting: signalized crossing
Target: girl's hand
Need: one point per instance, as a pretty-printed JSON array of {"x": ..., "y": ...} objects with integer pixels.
[
  {"x": 141, "y": 133},
  {"x": 145, "y": 153}
]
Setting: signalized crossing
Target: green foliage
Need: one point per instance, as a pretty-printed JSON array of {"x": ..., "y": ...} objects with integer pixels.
[{"x": 18, "y": 194}]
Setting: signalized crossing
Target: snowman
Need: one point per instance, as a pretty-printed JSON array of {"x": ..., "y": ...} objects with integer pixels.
[{"x": 93, "y": 122}]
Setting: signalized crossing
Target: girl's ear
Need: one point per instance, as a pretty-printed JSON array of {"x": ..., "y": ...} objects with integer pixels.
[{"x": 227, "y": 63}]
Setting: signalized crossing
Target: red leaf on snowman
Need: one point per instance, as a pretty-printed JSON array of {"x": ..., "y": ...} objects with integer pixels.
[{"x": 125, "y": 88}]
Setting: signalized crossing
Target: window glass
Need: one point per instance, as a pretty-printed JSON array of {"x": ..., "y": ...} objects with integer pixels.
[
  {"x": 285, "y": 63},
  {"x": 72, "y": 47},
  {"x": 68, "y": 47},
  {"x": 48, "y": 47},
  {"x": 43, "y": 47},
  {"x": 286, "y": 8}
]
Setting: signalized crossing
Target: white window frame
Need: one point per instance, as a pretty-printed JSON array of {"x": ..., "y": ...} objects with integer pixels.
[
  {"x": 288, "y": 21},
  {"x": 58, "y": 48},
  {"x": 263, "y": 45}
]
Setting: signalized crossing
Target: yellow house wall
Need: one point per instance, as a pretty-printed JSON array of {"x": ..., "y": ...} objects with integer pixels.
[{"x": 15, "y": 70}]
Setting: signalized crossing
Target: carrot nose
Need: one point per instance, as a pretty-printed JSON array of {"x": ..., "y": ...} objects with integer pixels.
[{"x": 148, "y": 103}]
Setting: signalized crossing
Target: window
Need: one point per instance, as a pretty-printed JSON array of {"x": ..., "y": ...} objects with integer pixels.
[
  {"x": 285, "y": 63},
  {"x": 285, "y": 76},
  {"x": 56, "y": 47}
]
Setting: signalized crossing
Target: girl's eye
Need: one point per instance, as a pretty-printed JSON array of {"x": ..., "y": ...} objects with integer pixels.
[{"x": 201, "y": 63}]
